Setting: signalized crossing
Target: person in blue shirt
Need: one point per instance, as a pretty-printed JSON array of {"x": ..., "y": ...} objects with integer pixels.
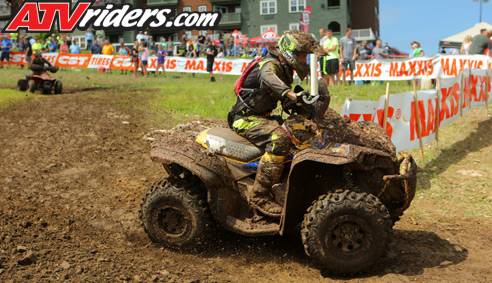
[
  {"x": 89, "y": 37},
  {"x": 53, "y": 46},
  {"x": 74, "y": 48},
  {"x": 5, "y": 47}
]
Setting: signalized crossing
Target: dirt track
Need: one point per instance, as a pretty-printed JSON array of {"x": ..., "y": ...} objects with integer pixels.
[{"x": 71, "y": 181}]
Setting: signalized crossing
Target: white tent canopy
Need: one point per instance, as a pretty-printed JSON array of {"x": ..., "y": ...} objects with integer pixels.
[{"x": 455, "y": 41}]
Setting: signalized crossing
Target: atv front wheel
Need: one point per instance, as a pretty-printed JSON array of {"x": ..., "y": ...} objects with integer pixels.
[
  {"x": 31, "y": 84},
  {"x": 346, "y": 231},
  {"x": 22, "y": 85},
  {"x": 176, "y": 214}
]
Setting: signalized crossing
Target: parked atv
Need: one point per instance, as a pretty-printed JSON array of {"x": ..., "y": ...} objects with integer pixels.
[
  {"x": 41, "y": 80},
  {"x": 346, "y": 187}
]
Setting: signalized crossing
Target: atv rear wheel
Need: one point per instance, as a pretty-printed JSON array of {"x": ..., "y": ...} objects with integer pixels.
[
  {"x": 58, "y": 87},
  {"x": 176, "y": 214},
  {"x": 22, "y": 85},
  {"x": 31, "y": 84},
  {"x": 346, "y": 231}
]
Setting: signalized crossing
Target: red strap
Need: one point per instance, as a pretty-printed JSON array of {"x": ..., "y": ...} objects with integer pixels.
[{"x": 239, "y": 83}]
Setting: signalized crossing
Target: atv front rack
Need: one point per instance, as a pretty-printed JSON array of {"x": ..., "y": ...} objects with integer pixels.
[{"x": 407, "y": 180}]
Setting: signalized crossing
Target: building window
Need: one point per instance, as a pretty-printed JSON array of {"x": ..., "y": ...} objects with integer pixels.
[
  {"x": 266, "y": 28},
  {"x": 333, "y": 3},
  {"x": 187, "y": 9},
  {"x": 334, "y": 26},
  {"x": 268, "y": 7},
  {"x": 202, "y": 8},
  {"x": 294, "y": 26},
  {"x": 80, "y": 41},
  {"x": 297, "y": 5}
]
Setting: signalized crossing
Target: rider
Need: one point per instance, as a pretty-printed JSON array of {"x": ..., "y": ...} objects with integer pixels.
[
  {"x": 37, "y": 65},
  {"x": 268, "y": 82}
]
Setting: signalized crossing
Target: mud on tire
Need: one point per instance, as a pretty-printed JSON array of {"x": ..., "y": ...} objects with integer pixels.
[
  {"x": 346, "y": 232},
  {"x": 175, "y": 214}
]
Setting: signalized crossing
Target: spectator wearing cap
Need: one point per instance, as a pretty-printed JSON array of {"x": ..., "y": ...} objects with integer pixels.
[{"x": 74, "y": 48}]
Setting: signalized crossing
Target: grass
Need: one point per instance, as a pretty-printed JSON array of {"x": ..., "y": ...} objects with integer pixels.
[{"x": 454, "y": 178}]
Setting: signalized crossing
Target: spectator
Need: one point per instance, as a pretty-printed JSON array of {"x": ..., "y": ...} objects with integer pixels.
[
  {"x": 53, "y": 46},
  {"x": 163, "y": 43},
  {"x": 5, "y": 46},
  {"x": 170, "y": 47},
  {"x": 69, "y": 40},
  {"x": 181, "y": 50},
  {"x": 146, "y": 37},
  {"x": 89, "y": 38},
  {"x": 191, "y": 52},
  {"x": 380, "y": 52},
  {"x": 96, "y": 48},
  {"x": 100, "y": 35},
  {"x": 237, "y": 42},
  {"x": 37, "y": 46},
  {"x": 139, "y": 36},
  {"x": 184, "y": 39},
  {"x": 74, "y": 48},
  {"x": 480, "y": 43},
  {"x": 323, "y": 37},
  {"x": 32, "y": 40},
  {"x": 13, "y": 37},
  {"x": 222, "y": 42},
  {"x": 220, "y": 55},
  {"x": 161, "y": 59},
  {"x": 230, "y": 43},
  {"x": 364, "y": 53},
  {"x": 28, "y": 50},
  {"x": 44, "y": 46},
  {"x": 201, "y": 39},
  {"x": 211, "y": 52},
  {"x": 64, "y": 48},
  {"x": 124, "y": 51},
  {"x": 107, "y": 49},
  {"x": 330, "y": 64},
  {"x": 465, "y": 46},
  {"x": 135, "y": 59},
  {"x": 145, "y": 57},
  {"x": 21, "y": 45},
  {"x": 348, "y": 50},
  {"x": 263, "y": 49},
  {"x": 417, "y": 51}
]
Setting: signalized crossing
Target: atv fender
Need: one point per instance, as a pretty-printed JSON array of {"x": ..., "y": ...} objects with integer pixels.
[
  {"x": 315, "y": 172},
  {"x": 213, "y": 177}
]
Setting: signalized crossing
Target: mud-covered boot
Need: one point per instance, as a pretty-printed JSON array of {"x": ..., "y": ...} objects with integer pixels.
[{"x": 269, "y": 172}]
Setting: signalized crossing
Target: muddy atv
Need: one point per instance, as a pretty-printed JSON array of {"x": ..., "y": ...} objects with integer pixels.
[
  {"x": 41, "y": 81},
  {"x": 346, "y": 188}
]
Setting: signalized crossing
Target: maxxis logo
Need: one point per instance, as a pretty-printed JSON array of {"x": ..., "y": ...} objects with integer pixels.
[{"x": 41, "y": 16}]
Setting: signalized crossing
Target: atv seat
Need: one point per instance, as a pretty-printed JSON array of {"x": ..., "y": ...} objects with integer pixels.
[{"x": 226, "y": 142}]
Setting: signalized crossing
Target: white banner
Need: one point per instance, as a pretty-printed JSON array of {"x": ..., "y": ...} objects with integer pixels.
[{"x": 401, "y": 124}]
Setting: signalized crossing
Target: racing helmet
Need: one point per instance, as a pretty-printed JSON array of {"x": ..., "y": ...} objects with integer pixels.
[{"x": 292, "y": 43}]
